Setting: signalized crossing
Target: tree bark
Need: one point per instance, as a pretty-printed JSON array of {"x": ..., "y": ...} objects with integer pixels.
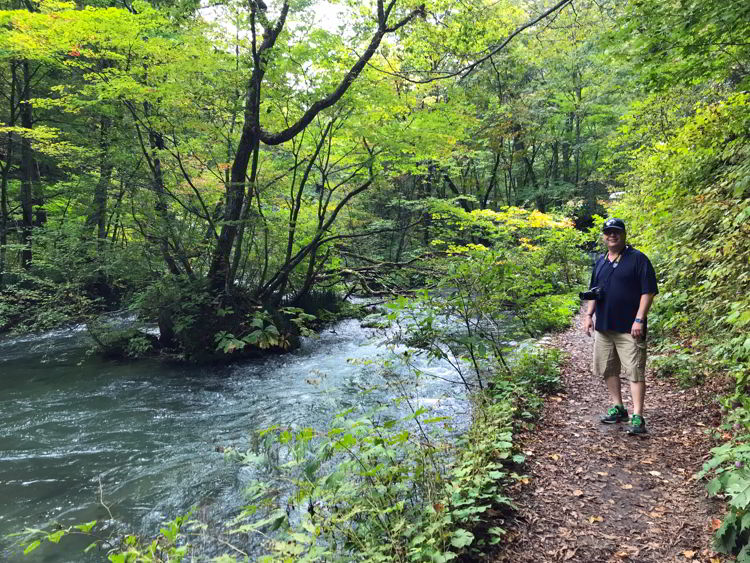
[
  {"x": 97, "y": 218},
  {"x": 566, "y": 152},
  {"x": 27, "y": 167},
  {"x": 6, "y": 167}
]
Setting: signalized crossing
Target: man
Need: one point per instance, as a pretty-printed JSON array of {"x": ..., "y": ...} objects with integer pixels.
[{"x": 627, "y": 285}]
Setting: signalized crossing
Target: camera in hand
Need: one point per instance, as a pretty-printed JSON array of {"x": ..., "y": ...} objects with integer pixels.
[{"x": 593, "y": 294}]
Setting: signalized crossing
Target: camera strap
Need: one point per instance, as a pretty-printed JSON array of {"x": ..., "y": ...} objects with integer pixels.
[{"x": 613, "y": 264}]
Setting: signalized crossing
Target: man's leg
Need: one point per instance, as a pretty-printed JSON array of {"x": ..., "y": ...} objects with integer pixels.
[
  {"x": 632, "y": 353},
  {"x": 614, "y": 388},
  {"x": 607, "y": 366},
  {"x": 638, "y": 390}
]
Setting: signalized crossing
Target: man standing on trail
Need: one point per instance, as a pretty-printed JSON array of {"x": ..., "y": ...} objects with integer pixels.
[{"x": 623, "y": 285}]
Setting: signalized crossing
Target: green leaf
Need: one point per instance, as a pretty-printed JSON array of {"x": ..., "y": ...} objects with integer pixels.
[
  {"x": 740, "y": 493},
  {"x": 87, "y": 527},
  {"x": 461, "y": 538},
  {"x": 56, "y": 536},
  {"x": 31, "y": 547},
  {"x": 714, "y": 486}
]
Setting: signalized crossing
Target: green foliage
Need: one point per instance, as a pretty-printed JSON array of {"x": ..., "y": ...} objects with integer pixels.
[
  {"x": 169, "y": 546},
  {"x": 703, "y": 172},
  {"x": 679, "y": 362},
  {"x": 552, "y": 313},
  {"x": 36, "y": 304},
  {"x": 33, "y": 538},
  {"x": 538, "y": 368},
  {"x": 731, "y": 478},
  {"x": 675, "y": 42},
  {"x": 380, "y": 488}
]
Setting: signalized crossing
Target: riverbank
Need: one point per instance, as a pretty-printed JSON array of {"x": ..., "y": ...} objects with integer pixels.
[{"x": 596, "y": 493}]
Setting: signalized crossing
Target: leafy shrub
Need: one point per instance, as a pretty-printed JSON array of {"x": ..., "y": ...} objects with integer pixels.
[
  {"x": 37, "y": 304},
  {"x": 119, "y": 344},
  {"x": 730, "y": 477},
  {"x": 538, "y": 368},
  {"x": 679, "y": 363},
  {"x": 392, "y": 494},
  {"x": 552, "y": 313}
]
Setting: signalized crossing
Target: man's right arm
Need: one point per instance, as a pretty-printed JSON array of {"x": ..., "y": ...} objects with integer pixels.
[{"x": 588, "y": 321}]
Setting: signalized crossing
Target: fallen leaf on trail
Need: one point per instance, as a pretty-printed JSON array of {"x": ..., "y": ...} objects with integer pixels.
[
  {"x": 578, "y": 493},
  {"x": 602, "y": 473},
  {"x": 715, "y": 560},
  {"x": 558, "y": 399},
  {"x": 525, "y": 480},
  {"x": 654, "y": 473},
  {"x": 628, "y": 486},
  {"x": 655, "y": 514},
  {"x": 555, "y": 457},
  {"x": 715, "y": 524},
  {"x": 569, "y": 554},
  {"x": 622, "y": 554},
  {"x": 688, "y": 554},
  {"x": 593, "y": 519}
]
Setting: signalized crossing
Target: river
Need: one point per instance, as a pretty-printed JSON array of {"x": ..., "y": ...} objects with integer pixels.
[{"x": 145, "y": 438}]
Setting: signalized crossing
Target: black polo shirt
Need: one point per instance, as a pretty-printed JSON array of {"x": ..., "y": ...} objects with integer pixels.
[{"x": 623, "y": 286}]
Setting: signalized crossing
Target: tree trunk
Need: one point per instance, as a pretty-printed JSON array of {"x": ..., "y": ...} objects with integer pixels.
[
  {"x": 578, "y": 136},
  {"x": 156, "y": 141},
  {"x": 556, "y": 161},
  {"x": 28, "y": 166},
  {"x": 4, "y": 209},
  {"x": 98, "y": 216},
  {"x": 566, "y": 152}
]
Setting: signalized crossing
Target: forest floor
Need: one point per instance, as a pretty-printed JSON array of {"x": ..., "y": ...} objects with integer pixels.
[{"x": 598, "y": 494}]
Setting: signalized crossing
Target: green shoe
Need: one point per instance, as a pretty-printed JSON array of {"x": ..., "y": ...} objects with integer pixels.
[
  {"x": 637, "y": 425},
  {"x": 616, "y": 414}
]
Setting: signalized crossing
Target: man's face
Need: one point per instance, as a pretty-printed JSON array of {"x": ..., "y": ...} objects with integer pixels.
[{"x": 615, "y": 239}]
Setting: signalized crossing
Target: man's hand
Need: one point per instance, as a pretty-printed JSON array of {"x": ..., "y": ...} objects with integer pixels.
[
  {"x": 588, "y": 324},
  {"x": 637, "y": 331}
]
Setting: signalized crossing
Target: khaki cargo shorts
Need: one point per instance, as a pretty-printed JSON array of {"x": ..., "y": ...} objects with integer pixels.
[{"x": 615, "y": 350}]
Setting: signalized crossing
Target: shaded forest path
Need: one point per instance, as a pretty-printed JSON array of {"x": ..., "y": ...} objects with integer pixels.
[{"x": 598, "y": 494}]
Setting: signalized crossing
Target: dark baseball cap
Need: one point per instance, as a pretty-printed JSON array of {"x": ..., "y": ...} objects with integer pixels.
[{"x": 613, "y": 223}]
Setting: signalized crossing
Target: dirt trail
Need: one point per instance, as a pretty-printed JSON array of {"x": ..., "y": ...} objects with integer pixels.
[{"x": 597, "y": 494}]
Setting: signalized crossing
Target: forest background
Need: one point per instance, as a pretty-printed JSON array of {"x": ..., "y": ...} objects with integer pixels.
[{"x": 224, "y": 176}]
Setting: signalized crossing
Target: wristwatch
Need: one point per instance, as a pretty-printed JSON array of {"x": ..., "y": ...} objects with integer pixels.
[{"x": 641, "y": 321}]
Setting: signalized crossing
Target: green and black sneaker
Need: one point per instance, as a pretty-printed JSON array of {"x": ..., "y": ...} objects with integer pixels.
[
  {"x": 637, "y": 425},
  {"x": 616, "y": 414}
]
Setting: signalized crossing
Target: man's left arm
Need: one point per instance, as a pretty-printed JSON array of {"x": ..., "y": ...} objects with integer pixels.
[{"x": 643, "y": 307}]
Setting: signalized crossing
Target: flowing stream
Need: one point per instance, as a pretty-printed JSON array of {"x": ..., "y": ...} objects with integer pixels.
[{"x": 80, "y": 437}]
